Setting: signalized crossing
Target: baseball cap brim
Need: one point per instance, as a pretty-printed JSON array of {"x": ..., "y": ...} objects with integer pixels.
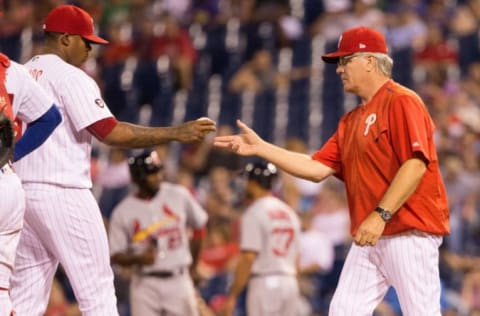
[
  {"x": 332, "y": 58},
  {"x": 95, "y": 39}
]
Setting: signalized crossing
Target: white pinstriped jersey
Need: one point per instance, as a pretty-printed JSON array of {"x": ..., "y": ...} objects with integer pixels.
[
  {"x": 174, "y": 209},
  {"x": 64, "y": 158},
  {"x": 271, "y": 228},
  {"x": 29, "y": 101}
]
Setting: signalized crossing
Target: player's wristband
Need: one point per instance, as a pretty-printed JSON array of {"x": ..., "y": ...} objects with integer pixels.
[{"x": 199, "y": 233}]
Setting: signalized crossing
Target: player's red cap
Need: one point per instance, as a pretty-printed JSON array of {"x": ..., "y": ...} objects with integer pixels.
[
  {"x": 72, "y": 20},
  {"x": 358, "y": 39}
]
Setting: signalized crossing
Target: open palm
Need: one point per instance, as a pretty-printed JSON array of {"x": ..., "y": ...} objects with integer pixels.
[{"x": 246, "y": 143}]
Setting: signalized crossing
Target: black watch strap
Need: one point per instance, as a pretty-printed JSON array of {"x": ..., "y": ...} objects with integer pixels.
[{"x": 385, "y": 214}]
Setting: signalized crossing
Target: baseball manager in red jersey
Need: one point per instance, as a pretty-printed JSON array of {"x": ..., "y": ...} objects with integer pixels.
[{"x": 385, "y": 153}]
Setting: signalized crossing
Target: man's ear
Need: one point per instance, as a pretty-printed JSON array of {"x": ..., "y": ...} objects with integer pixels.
[
  {"x": 371, "y": 63},
  {"x": 65, "y": 39}
]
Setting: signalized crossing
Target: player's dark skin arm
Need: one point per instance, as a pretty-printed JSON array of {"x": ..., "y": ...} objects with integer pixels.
[
  {"x": 136, "y": 136},
  {"x": 195, "y": 247},
  {"x": 241, "y": 276},
  {"x": 127, "y": 259}
]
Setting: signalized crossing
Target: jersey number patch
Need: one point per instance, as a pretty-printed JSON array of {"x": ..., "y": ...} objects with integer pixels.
[{"x": 282, "y": 240}]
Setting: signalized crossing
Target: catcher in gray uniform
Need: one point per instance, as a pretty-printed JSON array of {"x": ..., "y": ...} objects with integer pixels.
[
  {"x": 149, "y": 232},
  {"x": 269, "y": 249}
]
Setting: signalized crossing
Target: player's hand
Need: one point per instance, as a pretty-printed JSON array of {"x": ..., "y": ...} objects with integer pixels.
[
  {"x": 196, "y": 278},
  {"x": 195, "y": 131},
  {"x": 370, "y": 230},
  {"x": 246, "y": 143},
  {"x": 7, "y": 139},
  {"x": 148, "y": 257},
  {"x": 230, "y": 305}
]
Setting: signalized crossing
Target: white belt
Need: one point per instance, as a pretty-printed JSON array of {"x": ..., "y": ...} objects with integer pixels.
[{"x": 6, "y": 169}]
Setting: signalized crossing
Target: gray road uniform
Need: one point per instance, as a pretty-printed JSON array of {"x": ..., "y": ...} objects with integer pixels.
[
  {"x": 271, "y": 228},
  {"x": 165, "y": 286}
]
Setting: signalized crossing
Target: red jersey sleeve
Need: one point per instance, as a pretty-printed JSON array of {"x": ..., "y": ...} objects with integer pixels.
[
  {"x": 101, "y": 129},
  {"x": 330, "y": 156},
  {"x": 411, "y": 129}
]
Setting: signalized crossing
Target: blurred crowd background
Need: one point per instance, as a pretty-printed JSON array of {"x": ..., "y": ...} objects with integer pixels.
[{"x": 259, "y": 60}]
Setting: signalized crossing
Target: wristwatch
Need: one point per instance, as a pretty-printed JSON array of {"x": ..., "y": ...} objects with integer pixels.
[{"x": 385, "y": 214}]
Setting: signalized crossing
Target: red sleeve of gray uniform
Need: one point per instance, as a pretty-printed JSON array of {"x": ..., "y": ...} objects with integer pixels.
[{"x": 196, "y": 216}]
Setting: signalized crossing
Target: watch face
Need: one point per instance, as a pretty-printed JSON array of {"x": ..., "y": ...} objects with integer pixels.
[{"x": 386, "y": 215}]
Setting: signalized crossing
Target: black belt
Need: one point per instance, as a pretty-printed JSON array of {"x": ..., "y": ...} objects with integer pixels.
[
  {"x": 164, "y": 274},
  {"x": 267, "y": 274}
]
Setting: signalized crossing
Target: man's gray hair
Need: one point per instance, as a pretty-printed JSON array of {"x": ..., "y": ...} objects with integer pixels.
[{"x": 384, "y": 63}]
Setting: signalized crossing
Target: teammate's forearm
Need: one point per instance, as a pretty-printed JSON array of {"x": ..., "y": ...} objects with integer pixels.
[
  {"x": 195, "y": 247},
  {"x": 126, "y": 259},
  {"x": 242, "y": 274},
  {"x": 136, "y": 136},
  {"x": 297, "y": 164},
  {"x": 403, "y": 185}
]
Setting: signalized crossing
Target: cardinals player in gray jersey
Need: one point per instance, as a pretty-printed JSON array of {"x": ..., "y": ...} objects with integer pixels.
[
  {"x": 62, "y": 219},
  {"x": 149, "y": 232},
  {"x": 269, "y": 246}
]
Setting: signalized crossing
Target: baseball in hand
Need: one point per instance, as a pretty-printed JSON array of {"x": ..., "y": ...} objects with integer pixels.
[{"x": 203, "y": 118}]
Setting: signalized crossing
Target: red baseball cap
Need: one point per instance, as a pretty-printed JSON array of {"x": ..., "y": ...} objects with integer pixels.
[
  {"x": 72, "y": 20},
  {"x": 358, "y": 39}
]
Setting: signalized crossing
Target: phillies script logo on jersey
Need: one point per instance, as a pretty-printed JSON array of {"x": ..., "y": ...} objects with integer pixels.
[{"x": 372, "y": 118}]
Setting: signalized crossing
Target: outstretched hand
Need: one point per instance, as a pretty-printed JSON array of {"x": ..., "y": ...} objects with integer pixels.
[
  {"x": 196, "y": 130},
  {"x": 246, "y": 143}
]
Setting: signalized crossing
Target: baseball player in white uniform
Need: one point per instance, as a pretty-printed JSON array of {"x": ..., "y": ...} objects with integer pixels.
[
  {"x": 63, "y": 223},
  {"x": 148, "y": 231},
  {"x": 269, "y": 246},
  {"x": 27, "y": 101}
]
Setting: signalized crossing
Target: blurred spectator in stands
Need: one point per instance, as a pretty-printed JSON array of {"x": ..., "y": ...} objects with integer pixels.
[
  {"x": 331, "y": 218},
  {"x": 258, "y": 74},
  {"x": 471, "y": 82},
  {"x": 206, "y": 12},
  {"x": 311, "y": 240},
  {"x": 175, "y": 43},
  {"x": 331, "y": 212},
  {"x": 464, "y": 25},
  {"x": 333, "y": 21},
  {"x": 114, "y": 179},
  {"x": 366, "y": 13},
  {"x": 312, "y": 263},
  {"x": 58, "y": 304},
  {"x": 114, "y": 10},
  {"x": 118, "y": 68},
  {"x": 470, "y": 293},
  {"x": 460, "y": 191},
  {"x": 437, "y": 49},
  {"x": 259, "y": 79},
  {"x": 298, "y": 193},
  {"x": 217, "y": 259},
  {"x": 220, "y": 185},
  {"x": 406, "y": 32},
  {"x": 200, "y": 158},
  {"x": 17, "y": 18},
  {"x": 264, "y": 10},
  {"x": 121, "y": 47},
  {"x": 439, "y": 13}
]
